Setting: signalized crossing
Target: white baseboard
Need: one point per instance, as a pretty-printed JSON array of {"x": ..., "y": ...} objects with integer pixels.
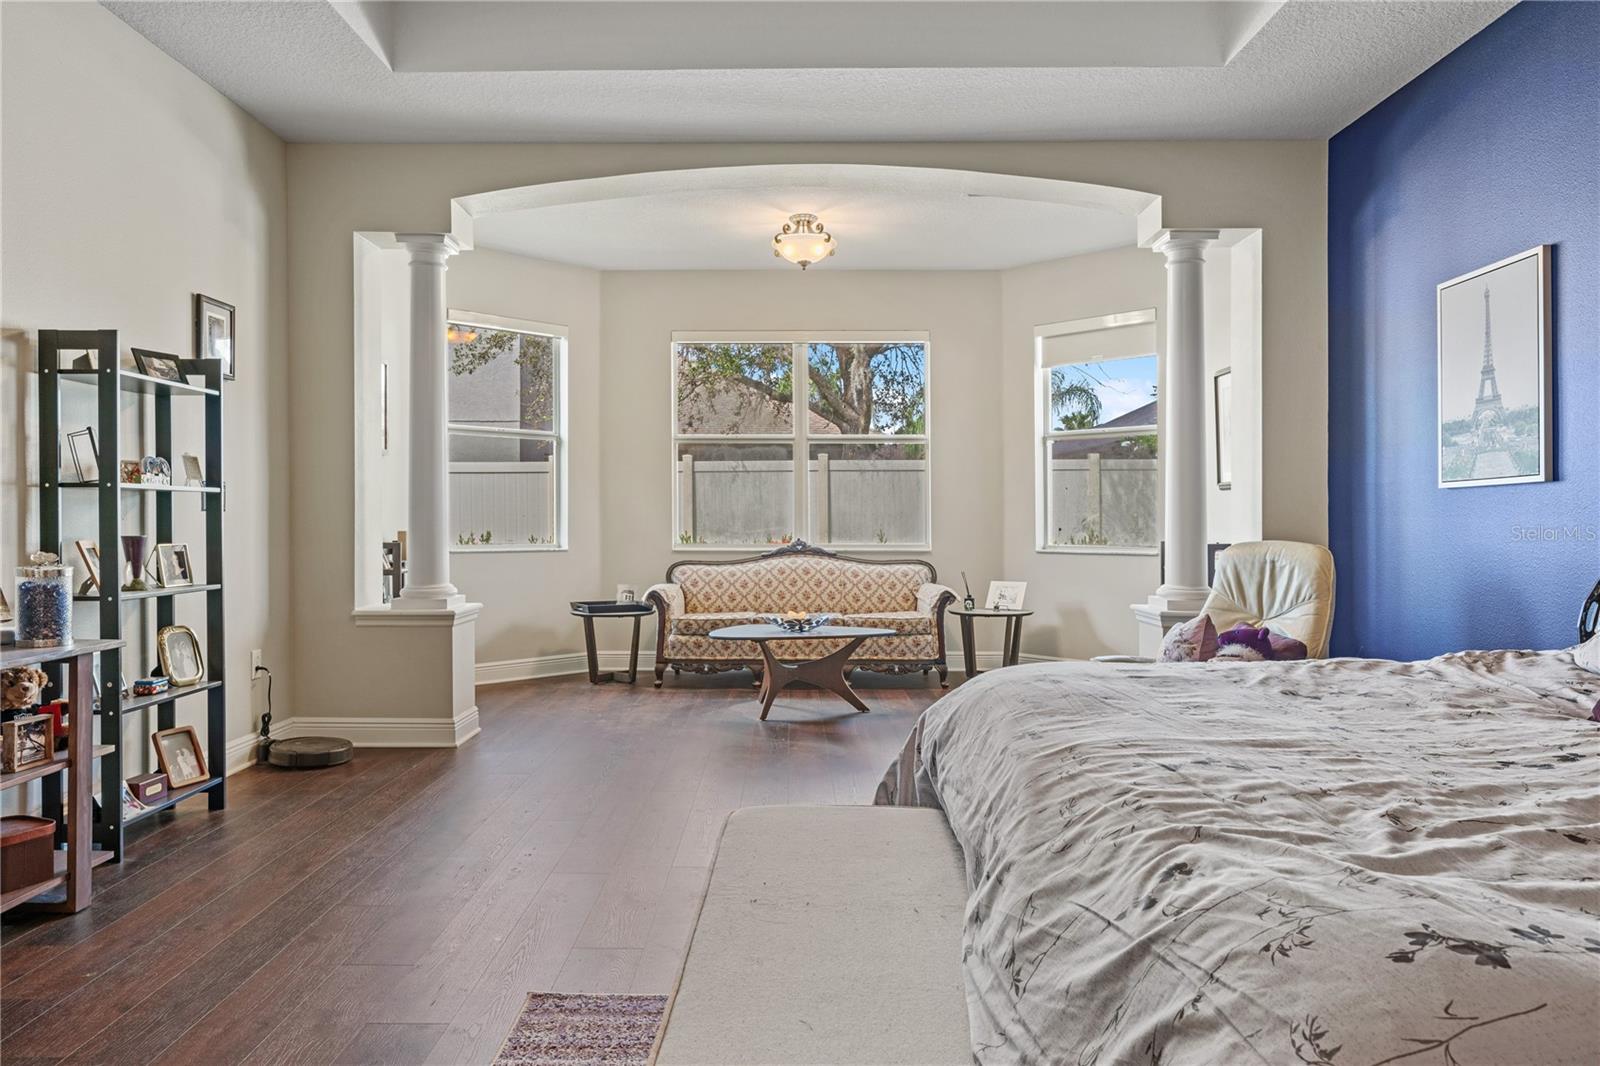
[
  {"x": 365, "y": 733},
  {"x": 575, "y": 662}
]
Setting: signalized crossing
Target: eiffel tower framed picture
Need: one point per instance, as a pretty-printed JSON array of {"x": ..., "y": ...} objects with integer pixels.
[{"x": 1494, "y": 373}]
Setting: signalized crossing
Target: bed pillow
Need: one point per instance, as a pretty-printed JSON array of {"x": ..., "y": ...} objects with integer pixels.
[
  {"x": 1194, "y": 641},
  {"x": 1588, "y": 654}
]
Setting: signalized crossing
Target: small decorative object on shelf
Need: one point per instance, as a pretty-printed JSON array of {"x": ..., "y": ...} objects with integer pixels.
[
  {"x": 179, "y": 651},
  {"x": 130, "y": 471},
  {"x": 627, "y": 594},
  {"x": 148, "y": 789},
  {"x": 155, "y": 470},
  {"x": 193, "y": 472},
  {"x": 27, "y": 741},
  {"x": 149, "y": 686},
  {"x": 173, "y": 568},
  {"x": 133, "y": 551},
  {"x": 799, "y": 621},
  {"x": 968, "y": 602},
  {"x": 179, "y": 752},
  {"x": 59, "y": 723},
  {"x": 44, "y": 602},
  {"x": 157, "y": 365},
  {"x": 131, "y": 803},
  {"x": 89, "y": 552},
  {"x": 28, "y": 844},
  {"x": 23, "y": 686},
  {"x": 85, "y": 456}
]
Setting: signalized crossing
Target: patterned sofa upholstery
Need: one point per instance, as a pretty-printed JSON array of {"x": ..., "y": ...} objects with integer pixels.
[{"x": 699, "y": 596}]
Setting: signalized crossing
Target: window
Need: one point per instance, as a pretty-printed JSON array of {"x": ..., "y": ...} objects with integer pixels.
[
  {"x": 507, "y": 433},
  {"x": 861, "y": 437},
  {"x": 1096, "y": 395}
]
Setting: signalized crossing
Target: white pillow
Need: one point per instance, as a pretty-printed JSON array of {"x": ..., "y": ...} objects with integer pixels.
[{"x": 1588, "y": 654}]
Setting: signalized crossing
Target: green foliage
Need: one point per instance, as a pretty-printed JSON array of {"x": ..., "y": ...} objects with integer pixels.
[
  {"x": 1073, "y": 400},
  {"x": 857, "y": 388},
  {"x": 533, "y": 354}
]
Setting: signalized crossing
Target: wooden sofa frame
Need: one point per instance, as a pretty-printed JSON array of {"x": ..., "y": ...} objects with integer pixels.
[{"x": 755, "y": 666}]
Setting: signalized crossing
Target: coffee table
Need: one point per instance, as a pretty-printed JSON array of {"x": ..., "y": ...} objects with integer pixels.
[{"x": 826, "y": 672}]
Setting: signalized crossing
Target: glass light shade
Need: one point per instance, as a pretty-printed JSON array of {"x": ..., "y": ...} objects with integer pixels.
[{"x": 803, "y": 240}]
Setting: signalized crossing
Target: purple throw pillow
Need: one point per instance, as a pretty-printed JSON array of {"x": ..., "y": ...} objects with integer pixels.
[
  {"x": 1256, "y": 640},
  {"x": 1193, "y": 641}
]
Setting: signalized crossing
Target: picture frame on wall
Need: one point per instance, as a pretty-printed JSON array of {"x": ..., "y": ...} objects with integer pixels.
[
  {"x": 1494, "y": 373},
  {"x": 214, "y": 332},
  {"x": 1222, "y": 406}
]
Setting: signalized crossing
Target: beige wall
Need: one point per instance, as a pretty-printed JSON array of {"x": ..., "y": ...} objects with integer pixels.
[
  {"x": 128, "y": 185},
  {"x": 1278, "y": 186}
]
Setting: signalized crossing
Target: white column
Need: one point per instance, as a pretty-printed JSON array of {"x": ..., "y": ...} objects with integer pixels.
[
  {"x": 428, "y": 584},
  {"x": 1183, "y": 440}
]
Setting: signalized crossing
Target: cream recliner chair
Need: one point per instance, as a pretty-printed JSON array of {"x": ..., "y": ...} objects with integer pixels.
[{"x": 1283, "y": 585}]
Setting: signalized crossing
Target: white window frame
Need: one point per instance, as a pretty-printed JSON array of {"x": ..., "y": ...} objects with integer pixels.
[
  {"x": 557, "y": 436},
  {"x": 801, "y": 437},
  {"x": 1045, "y": 437}
]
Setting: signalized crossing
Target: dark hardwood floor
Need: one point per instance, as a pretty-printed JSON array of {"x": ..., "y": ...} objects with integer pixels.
[{"x": 398, "y": 909}]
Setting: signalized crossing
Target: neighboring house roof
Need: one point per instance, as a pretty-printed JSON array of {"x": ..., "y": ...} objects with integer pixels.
[{"x": 1123, "y": 448}]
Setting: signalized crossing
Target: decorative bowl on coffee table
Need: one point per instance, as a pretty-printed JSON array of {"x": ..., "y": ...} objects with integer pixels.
[{"x": 797, "y": 622}]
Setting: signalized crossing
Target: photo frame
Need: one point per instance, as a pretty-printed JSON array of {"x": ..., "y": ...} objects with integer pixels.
[
  {"x": 627, "y": 594},
  {"x": 1222, "y": 406},
  {"x": 174, "y": 569},
  {"x": 193, "y": 472},
  {"x": 159, "y": 366},
  {"x": 179, "y": 652},
  {"x": 26, "y": 740},
  {"x": 1494, "y": 366},
  {"x": 1005, "y": 595},
  {"x": 89, "y": 552},
  {"x": 214, "y": 332},
  {"x": 180, "y": 755},
  {"x": 85, "y": 454},
  {"x": 130, "y": 471}
]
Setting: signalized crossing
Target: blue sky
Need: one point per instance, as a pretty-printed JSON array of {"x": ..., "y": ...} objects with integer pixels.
[{"x": 1121, "y": 384}]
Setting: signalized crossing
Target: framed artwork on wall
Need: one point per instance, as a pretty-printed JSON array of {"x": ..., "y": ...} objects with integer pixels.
[
  {"x": 213, "y": 332},
  {"x": 1494, "y": 373},
  {"x": 1222, "y": 406}
]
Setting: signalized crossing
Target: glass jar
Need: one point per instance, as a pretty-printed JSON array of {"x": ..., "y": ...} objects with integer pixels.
[{"x": 44, "y": 602}]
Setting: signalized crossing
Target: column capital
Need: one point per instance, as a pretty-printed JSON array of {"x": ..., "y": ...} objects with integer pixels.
[
  {"x": 1184, "y": 245},
  {"x": 428, "y": 247}
]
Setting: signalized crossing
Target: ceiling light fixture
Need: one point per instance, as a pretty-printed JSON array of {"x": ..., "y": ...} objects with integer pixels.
[
  {"x": 803, "y": 241},
  {"x": 460, "y": 334}
]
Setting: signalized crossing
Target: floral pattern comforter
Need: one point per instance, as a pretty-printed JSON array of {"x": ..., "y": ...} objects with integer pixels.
[{"x": 1337, "y": 862}]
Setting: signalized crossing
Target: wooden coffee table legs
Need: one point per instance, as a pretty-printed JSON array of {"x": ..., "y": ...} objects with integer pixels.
[{"x": 826, "y": 672}]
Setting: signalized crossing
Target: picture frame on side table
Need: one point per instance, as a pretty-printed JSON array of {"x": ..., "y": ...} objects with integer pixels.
[
  {"x": 1494, "y": 373},
  {"x": 214, "y": 332},
  {"x": 182, "y": 758},
  {"x": 1005, "y": 595},
  {"x": 159, "y": 365}
]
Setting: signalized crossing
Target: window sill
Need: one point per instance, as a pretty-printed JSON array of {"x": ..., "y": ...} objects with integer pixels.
[
  {"x": 1096, "y": 549},
  {"x": 504, "y": 549}
]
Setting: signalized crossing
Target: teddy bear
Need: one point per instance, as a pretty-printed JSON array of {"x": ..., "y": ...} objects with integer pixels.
[{"x": 23, "y": 687}]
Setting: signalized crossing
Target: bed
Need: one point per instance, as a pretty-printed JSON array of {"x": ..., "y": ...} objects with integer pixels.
[{"x": 1342, "y": 862}]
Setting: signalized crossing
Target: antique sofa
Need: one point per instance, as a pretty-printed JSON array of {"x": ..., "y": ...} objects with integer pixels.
[{"x": 698, "y": 596}]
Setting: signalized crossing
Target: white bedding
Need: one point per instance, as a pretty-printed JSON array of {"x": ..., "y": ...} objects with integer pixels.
[{"x": 1340, "y": 862}]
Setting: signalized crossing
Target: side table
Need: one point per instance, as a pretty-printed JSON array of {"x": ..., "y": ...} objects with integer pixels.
[
  {"x": 1012, "y": 648},
  {"x": 589, "y": 610}
]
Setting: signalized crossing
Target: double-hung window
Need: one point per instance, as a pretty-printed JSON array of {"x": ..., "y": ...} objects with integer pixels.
[
  {"x": 1095, "y": 398},
  {"x": 507, "y": 433},
  {"x": 847, "y": 467}
]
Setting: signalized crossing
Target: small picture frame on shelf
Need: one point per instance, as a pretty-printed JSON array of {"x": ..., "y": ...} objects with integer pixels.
[
  {"x": 130, "y": 471},
  {"x": 85, "y": 456},
  {"x": 213, "y": 332},
  {"x": 1005, "y": 595},
  {"x": 89, "y": 552},
  {"x": 27, "y": 740},
  {"x": 159, "y": 366},
  {"x": 193, "y": 472},
  {"x": 627, "y": 594},
  {"x": 180, "y": 755},
  {"x": 173, "y": 568},
  {"x": 179, "y": 651}
]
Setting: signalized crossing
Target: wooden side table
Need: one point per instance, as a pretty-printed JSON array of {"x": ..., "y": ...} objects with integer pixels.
[
  {"x": 1012, "y": 647},
  {"x": 589, "y": 611}
]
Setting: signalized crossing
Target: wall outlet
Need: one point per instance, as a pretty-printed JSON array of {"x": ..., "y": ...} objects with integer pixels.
[{"x": 255, "y": 662}]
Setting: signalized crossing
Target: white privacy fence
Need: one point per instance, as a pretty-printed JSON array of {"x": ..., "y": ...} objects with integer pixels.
[
  {"x": 1103, "y": 501},
  {"x": 511, "y": 502},
  {"x": 851, "y": 501}
]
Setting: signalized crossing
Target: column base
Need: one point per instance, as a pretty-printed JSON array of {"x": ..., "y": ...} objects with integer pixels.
[
  {"x": 444, "y": 597},
  {"x": 1165, "y": 608}
]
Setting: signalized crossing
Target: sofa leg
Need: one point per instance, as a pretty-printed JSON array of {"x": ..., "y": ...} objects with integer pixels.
[
  {"x": 755, "y": 674},
  {"x": 944, "y": 676},
  {"x": 661, "y": 673}
]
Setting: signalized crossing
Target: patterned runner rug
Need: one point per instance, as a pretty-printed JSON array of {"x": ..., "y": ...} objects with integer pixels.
[{"x": 556, "y": 1029}]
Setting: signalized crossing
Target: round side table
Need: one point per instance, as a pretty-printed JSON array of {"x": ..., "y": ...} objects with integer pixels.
[{"x": 1012, "y": 648}]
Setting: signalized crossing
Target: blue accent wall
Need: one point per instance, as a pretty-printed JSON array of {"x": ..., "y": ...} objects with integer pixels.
[{"x": 1494, "y": 149}]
